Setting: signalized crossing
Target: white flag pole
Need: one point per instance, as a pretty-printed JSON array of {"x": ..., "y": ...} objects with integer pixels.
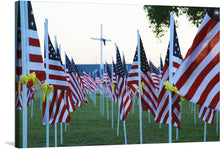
[
  {"x": 47, "y": 79},
  {"x": 23, "y": 13},
  {"x": 118, "y": 104},
  {"x": 61, "y": 124},
  {"x": 171, "y": 73},
  {"x": 112, "y": 94},
  {"x": 32, "y": 108},
  {"x": 101, "y": 70},
  {"x": 55, "y": 125},
  {"x": 194, "y": 114},
  {"x": 217, "y": 122},
  {"x": 205, "y": 131},
  {"x": 139, "y": 84},
  {"x": 125, "y": 135},
  {"x": 106, "y": 93}
]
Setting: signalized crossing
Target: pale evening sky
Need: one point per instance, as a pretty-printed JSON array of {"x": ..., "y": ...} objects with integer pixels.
[{"x": 75, "y": 23}]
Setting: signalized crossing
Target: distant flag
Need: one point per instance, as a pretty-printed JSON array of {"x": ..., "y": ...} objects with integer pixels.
[
  {"x": 123, "y": 94},
  {"x": 162, "y": 115},
  {"x": 149, "y": 96},
  {"x": 114, "y": 83},
  {"x": 83, "y": 83},
  {"x": 75, "y": 90},
  {"x": 155, "y": 75},
  {"x": 79, "y": 83},
  {"x": 197, "y": 78},
  {"x": 98, "y": 80},
  {"x": 89, "y": 82},
  {"x": 109, "y": 80}
]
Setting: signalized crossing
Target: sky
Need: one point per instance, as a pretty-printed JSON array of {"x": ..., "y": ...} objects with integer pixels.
[{"x": 75, "y": 23}]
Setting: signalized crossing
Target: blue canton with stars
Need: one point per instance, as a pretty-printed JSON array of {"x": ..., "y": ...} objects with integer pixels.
[
  {"x": 119, "y": 68},
  {"x": 153, "y": 68},
  {"x": 144, "y": 64},
  {"x": 176, "y": 48},
  {"x": 31, "y": 21}
]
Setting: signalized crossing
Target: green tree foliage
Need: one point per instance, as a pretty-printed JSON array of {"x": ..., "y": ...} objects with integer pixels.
[{"x": 159, "y": 16}]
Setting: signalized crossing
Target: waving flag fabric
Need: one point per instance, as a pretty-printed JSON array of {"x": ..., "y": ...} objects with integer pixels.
[
  {"x": 114, "y": 84},
  {"x": 76, "y": 92},
  {"x": 33, "y": 53},
  {"x": 162, "y": 115},
  {"x": 123, "y": 94},
  {"x": 149, "y": 96},
  {"x": 155, "y": 75},
  {"x": 197, "y": 78},
  {"x": 57, "y": 76},
  {"x": 98, "y": 80},
  {"x": 58, "y": 110},
  {"x": 207, "y": 114}
]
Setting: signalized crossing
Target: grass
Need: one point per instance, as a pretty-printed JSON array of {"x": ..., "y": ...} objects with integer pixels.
[{"x": 89, "y": 127}]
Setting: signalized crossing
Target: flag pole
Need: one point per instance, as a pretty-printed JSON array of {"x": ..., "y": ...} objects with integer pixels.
[
  {"x": 32, "y": 108},
  {"x": 112, "y": 94},
  {"x": 194, "y": 114},
  {"x": 205, "y": 131},
  {"x": 125, "y": 135},
  {"x": 217, "y": 122},
  {"x": 47, "y": 80},
  {"x": 106, "y": 93},
  {"x": 61, "y": 124},
  {"x": 55, "y": 125},
  {"x": 102, "y": 71},
  {"x": 171, "y": 73},
  {"x": 23, "y": 12},
  {"x": 139, "y": 84},
  {"x": 118, "y": 104}
]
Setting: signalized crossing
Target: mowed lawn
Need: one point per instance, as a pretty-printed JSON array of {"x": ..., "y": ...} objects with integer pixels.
[{"x": 89, "y": 127}]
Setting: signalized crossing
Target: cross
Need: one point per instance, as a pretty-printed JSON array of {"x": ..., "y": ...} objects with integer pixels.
[{"x": 102, "y": 41}]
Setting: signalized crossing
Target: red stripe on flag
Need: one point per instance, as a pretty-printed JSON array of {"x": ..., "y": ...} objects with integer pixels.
[
  {"x": 35, "y": 58},
  {"x": 34, "y": 42}
]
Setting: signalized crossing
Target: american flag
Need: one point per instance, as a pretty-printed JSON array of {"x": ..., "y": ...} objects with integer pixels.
[
  {"x": 82, "y": 82},
  {"x": 57, "y": 76},
  {"x": 89, "y": 82},
  {"x": 207, "y": 114},
  {"x": 162, "y": 115},
  {"x": 197, "y": 78},
  {"x": 155, "y": 75},
  {"x": 75, "y": 93},
  {"x": 98, "y": 80},
  {"x": 58, "y": 111},
  {"x": 114, "y": 83},
  {"x": 149, "y": 96},
  {"x": 123, "y": 94},
  {"x": 109, "y": 80},
  {"x": 35, "y": 60}
]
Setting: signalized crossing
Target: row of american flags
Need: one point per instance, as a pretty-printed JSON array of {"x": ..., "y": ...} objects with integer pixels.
[{"x": 196, "y": 76}]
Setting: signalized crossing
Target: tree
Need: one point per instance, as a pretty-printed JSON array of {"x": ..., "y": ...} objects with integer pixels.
[{"x": 159, "y": 16}]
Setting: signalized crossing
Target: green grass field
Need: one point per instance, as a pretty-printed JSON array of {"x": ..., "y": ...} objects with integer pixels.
[{"x": 89, "y": 127}]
